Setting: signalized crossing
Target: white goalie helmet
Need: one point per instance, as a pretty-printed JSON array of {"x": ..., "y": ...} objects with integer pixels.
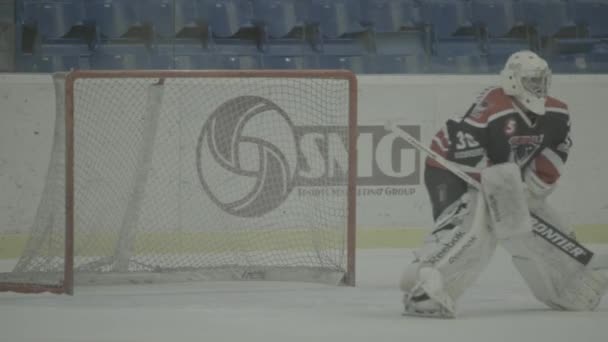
[{"x": 527, "y": 78}]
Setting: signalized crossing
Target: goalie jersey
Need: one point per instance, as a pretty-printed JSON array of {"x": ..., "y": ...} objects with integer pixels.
[{"x": 495, "y": 130}]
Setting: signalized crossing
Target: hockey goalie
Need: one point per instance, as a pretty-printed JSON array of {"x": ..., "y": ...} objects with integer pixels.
[{"x": 511, "y": 144}]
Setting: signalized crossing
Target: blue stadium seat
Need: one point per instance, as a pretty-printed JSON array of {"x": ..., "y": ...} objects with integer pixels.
[
  {"x": 457, "y": 45},
  {"x": 245, "y": 43},
  {"x": 288, "y": 47},
  {"x": 227, "y": 17},
  {"x": 458, "y": 55},
  {"x": 396, "y": 64},
  {"x": 410, "y": 42},
  {"x": 196, "y": 62},
  {"x": 54, "y": 58},
  {"x": 459, "y": 65},
  {"x": 121, "y": 56},
  {"x": 357, "y": 64},
  {"x": 447, "y": 17},
  {"x": 499, "y": 50},
  {"x": 598, "y": 60},
  {"x": 50, "y": 63},
  {"x": 53, "y": 19},
  {"x": 182, "y": 55},
  {"x": 345, "y": 46},
  {"x": 593, "y": 14},
  {"x": 290, "y": 62},
  {"x": 113, "y": 18},
  {"x": 282, "y": 16},
  {"x": 390, "y": 15},
  {"x": 158, "y": 14},
  {"x": 161, "y": 56},
  {"x": 497, "y": 17},
  {"x": 337, "y": 18},
  {"x": 239, "y": 62},
  {"x": 548, "y": 17},
  {"x": 569, "y": 64},
  {"x": 189, "y": 18}
]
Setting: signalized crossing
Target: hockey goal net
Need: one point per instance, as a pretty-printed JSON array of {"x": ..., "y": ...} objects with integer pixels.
[{"x": 195, "y": 175}]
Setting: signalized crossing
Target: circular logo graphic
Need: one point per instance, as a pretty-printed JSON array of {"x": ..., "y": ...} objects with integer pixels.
[{"x": 247, "y": 156}]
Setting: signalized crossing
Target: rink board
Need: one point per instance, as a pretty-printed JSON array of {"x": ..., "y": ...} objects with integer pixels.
[{"x": 11, "y": 245}]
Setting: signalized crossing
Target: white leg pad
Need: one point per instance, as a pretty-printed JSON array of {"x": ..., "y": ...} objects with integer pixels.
[
  {"x": 435, "y": 302},
  {"x": 458, "y": 255},
  {"x": 506, "y": 199},
  {"x": 552, "y": 275}
]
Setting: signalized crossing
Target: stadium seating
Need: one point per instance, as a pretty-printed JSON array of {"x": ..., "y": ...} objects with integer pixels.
[
  {"x": 227, "y": 17},
  {"x": 458, "y": 55},
  {"x": 367, "y": 36},
  {"x": 52, "y": 19},
  {"x": 569, "y": 63},
  {"x": 121, "y": 56},
  {"x": 113, "y": 18},
  {"x": 290, "y": 62},
  {"x": 336, "y": 18},
  {"x": 592, "y": 14},
  {"x": 447, "y": 17},
  {"x": 159, "y": 15},
  {"x": 598, "y": 59},
  {"x": 55, "y": 57},
  {"x": 547, "y": 17},
  {"x": 390, "y": 15},
  {"x": 281, "y": 17},
  {"x": 189, "y": 20},
  {"x": 396, "y": 64},
  {"x": 499, "y": 49},
  {"x": 51, "y": 63},
  {"x": 239, "y": 62},
  {"x": 496, "y": 17},
  {"x": 358, "y": 64}
]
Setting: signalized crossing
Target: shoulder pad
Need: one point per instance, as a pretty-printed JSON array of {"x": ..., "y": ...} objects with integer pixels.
[
  {"x": 556, "y": 106},
  {"x": 491, "y": 104}
]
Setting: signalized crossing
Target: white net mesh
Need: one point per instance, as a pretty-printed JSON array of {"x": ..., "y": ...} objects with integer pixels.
[{"x": 198, "y": 178}]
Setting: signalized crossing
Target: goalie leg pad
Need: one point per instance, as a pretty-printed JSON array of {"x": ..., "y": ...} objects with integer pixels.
[
  {"x": 428, "y": 297},
  {"x": 568, "y": 283},
  {"x": 580, "y": 290},
  {"x": 507, "y": 203},
  {"x": 458, "y": 254},
  {"x": 549, "y": 261}
]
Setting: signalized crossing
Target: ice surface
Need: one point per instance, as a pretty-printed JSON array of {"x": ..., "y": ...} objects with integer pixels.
[{"x": 498, "y": 308}]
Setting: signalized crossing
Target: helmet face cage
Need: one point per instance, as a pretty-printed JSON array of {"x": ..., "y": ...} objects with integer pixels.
[{"x": 537, "y": 82}]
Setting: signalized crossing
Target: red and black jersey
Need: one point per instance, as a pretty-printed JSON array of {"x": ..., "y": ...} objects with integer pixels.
[{"x": 495, "y": 130}]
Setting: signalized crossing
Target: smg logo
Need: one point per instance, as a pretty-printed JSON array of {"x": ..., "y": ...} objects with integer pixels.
[{"x": 250, "y": 156}]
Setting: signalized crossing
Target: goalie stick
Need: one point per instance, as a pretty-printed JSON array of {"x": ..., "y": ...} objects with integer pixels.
[{"x": 541, "y": 228}]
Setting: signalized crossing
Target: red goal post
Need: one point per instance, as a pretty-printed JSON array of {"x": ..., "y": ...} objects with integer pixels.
[{"x": 131, "y": 200}]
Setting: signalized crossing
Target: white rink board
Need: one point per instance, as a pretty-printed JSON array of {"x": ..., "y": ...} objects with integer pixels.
[{"x": 27, "y": 103}]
